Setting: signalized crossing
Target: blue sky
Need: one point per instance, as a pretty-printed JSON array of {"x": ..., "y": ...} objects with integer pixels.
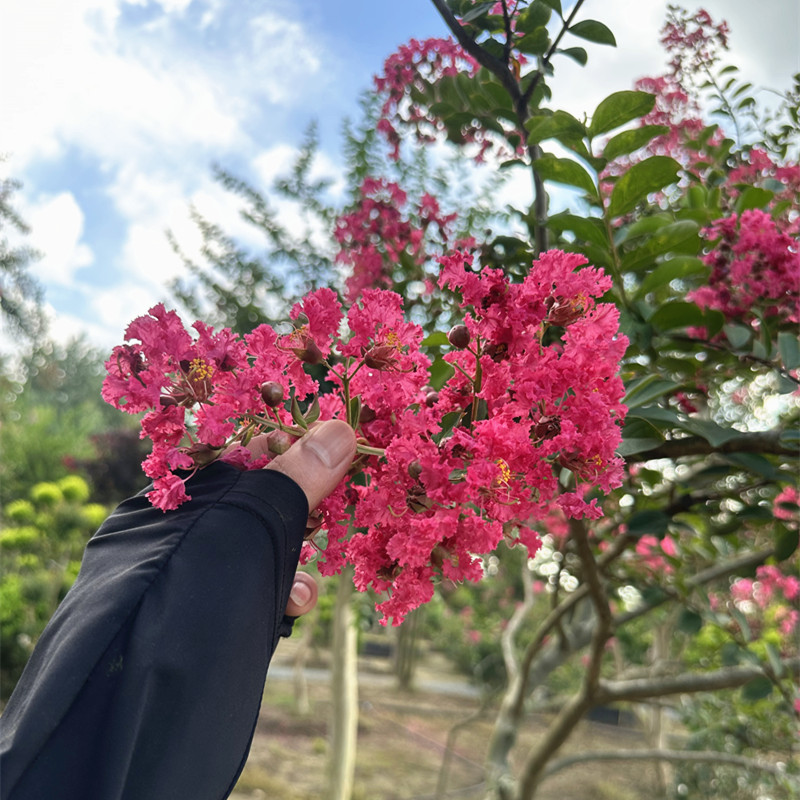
[{"x": 114, "y": 111}]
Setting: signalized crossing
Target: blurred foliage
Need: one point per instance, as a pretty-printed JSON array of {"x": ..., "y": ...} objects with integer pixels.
[{"x": 41, "y": 543}]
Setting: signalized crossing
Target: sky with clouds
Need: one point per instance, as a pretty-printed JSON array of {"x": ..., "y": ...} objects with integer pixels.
[{"x": 115, "y": 110}]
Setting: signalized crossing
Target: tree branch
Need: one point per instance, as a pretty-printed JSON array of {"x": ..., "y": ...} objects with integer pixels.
[
  {"x": 725, "y": 678},
  {"x": 756, "y": 442},
  {"x": 494, "y": 65},
  {"x": 676, "y": 756}
]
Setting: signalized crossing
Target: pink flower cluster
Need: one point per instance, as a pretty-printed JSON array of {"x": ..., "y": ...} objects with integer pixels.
[
  {"x": 757, "y": 169},
  {"x": 695, "y": 41},
  {"x": 409, "y": 71},
  {"x": 530, "y": 418},
  {"x": 754, "y": 266},
  {"x": 772, "y": 592},
  {"x": 382, "y": 229},
  {"x": 675, "y": 109}
]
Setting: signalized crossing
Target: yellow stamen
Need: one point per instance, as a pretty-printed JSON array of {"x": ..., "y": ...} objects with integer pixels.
[
  {"x": 505, "y": 471},
  {"x": 200, "y": 369}
]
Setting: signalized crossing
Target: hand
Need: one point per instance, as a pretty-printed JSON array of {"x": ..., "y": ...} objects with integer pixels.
[{"x": 316, "y": 464}]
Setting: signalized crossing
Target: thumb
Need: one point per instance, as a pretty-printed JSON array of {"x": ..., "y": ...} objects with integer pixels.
[{"x": 319, "y": 460}]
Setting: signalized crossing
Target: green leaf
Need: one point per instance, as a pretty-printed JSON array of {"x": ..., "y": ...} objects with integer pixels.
[
  {"x": 640, "y": 428},
  {"x": 590, "y": 229},
  {"x": 593, "y": 31},
  {"x": 577, "y": 54},
  {"x": 753, "y": 197},
  {"x": 439, "y": 373},
  {"x": 775, "y": 660},
  {"x": 789, "y": 349},
  {"x": 497, "y": 94},
  {"x": 555, "y": 5},
  {"x": 689, "y": 621},
  {"x": 535, "y": 43},
  {"x": 537, "y": 15},
  {"x": 629, "y": 447},
  {"x": 560, "y": 125},
  {"x": 619, "y": 108},
  {"x": 312, "y": 415},
  {"x": 738, "y": 335},
  {"x": 447, "y": 424},
  {"x": 435, "y": 339},
  {"x": 742, "y": 622},
  {"x": 790, "y": 438},
  {"x": 354, "y": 411},
  {"x": 651, "y": 523},
  {"x": 642, "y": 179},
  {"x": 643, "y": 390},
  {"x": 630, "y": 141},
  {"x": 655, "y": 414},
  {"x": 755, "y": 463},
  {"x": 757, "y": 689},
  {"x": 297, "y": 414},
  {"x": 677, "y": 314},
  {"x": 673, "y": 269},
  {"x": 714, "y": 434},
  {"x": 565, "y": 170},
  {"x": 786, "y": 543},
  {"x": 476, "y": 11},
  {"x": 679, "y": 237}
]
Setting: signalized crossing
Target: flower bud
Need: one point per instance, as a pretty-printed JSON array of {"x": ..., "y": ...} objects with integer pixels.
[
  {"x": 279, "y": 442},
  {"x": 310, "y": 353},
  {"x": 382, "y": 356},
  {"x": 459, "y": 336},
  {"x": 431, "y": 398},
  {"x": 547, "y": 427},
  {"x": 203, "y": 454},
  {"x": 167, "y": 400},
  {"x": 366, "y": 415},
  {"x": 563, "y": 312},
  {"x": 272, "y": 393},
  {"x": 415, "y": 469}
]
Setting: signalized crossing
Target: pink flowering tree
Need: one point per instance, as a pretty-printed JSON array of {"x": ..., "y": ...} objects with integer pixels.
[{"x": 619, "y": 382}]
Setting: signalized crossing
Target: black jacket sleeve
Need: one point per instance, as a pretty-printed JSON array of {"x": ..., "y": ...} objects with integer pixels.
[{"x": 146, "y": 683}]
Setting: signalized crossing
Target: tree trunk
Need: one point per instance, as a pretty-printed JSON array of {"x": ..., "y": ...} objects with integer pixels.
[
  {"x": 301, "y": 699},
  {"x": 344, "y": 694},
  {"x": 405, "y": 659}
]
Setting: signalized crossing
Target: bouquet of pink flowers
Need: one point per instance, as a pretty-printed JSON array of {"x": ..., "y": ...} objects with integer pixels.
[{"x": 528, "y": 419}]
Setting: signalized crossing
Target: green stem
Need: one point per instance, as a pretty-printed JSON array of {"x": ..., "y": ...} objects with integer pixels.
[{"x": 370, "y": 451}]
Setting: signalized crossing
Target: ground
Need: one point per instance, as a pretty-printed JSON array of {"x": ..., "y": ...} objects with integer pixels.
[{"x": 401, "y": 742}]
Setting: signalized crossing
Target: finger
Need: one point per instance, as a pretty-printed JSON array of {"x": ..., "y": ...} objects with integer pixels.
[
  {"x": 319, "y": 460},
  {"x": 303, "y": 596}
]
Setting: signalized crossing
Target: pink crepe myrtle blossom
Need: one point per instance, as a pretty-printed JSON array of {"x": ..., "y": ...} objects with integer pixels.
[
  {"x": 444, "y": 477},
  {"x": 695, "y": 42},
  {"x": 406, "y": 74},
  {"x": 771, "y": 599},
  {"x": 754, "y": 266},
  {"x": 383, "y": 227}
]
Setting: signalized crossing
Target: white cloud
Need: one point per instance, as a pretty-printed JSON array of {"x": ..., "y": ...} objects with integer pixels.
[
  {"x": 56, "y": 224},
  {"x": 281, "y": 55}
]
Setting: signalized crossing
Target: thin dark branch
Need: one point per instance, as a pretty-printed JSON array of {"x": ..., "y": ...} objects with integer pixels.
[
  {"x": 494, "y": 65},
  {"x": 744, "y": 358},
  {"x": 550, "y": 53},
  {"x": 509, "y": 33},
  {"x": 755, "y": 442},
  {"x": 675, "y": 756}
]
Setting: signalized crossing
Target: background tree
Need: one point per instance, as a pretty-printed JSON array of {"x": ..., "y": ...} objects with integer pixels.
[{"x": 20, "y": 294}]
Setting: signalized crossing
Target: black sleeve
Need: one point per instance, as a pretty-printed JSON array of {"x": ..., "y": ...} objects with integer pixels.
[{"x": 146, "y": 683}]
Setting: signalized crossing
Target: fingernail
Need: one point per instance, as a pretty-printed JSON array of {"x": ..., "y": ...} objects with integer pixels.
[
  {"x": 331, "y": 442},
  {"x": 300, "y": 594}
]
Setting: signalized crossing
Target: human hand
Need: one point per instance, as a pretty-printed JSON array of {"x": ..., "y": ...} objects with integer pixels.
[{"x": 316, "y": 464}]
